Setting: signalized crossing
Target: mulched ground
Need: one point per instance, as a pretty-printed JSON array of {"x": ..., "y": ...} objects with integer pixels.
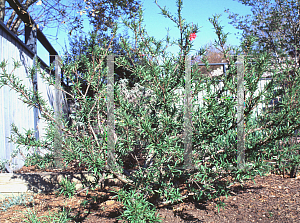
[{"x": 271, "y": 198}]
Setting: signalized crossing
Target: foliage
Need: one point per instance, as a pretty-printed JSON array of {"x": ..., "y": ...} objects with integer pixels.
[
  {"x": 69, "y": 15},
  {"x": 80, "y": 45},
  {"x": 59, "y": 217},
  {"x": 14, "y": 200},
  {"x": 2, "y": 165},
  {"x": 273, "y": 27},
  {"x": 104, "y": 17},
  {"x": 287, "y": 158},
  {"x": 67, "y": 188},
  {"x": 137, "y": 208},
  {"x": 275, "y": 24},
  {"x": 41, "y": 162},
  {"x": 149, "y": 150},
  {"x": 104, "y": 14}
]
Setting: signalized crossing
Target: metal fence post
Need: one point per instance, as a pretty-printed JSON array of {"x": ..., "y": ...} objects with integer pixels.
[
  {"x": 240, "y": 113},
  {"x": 188, "y": 162}
]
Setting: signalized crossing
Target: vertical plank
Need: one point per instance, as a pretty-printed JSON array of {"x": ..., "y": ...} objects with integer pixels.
[
  {"x": 58, "y": 113},
  {"x": 188, "y": 161},
  {"x": 110, "y": 114},
  {"x": 2, "y": 124},
  {"x": 7, "y": 98},
  {"x": 13, "y": 116},
  {"x": 240, "y": 113}
]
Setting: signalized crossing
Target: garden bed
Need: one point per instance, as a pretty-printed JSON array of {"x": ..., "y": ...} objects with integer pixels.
[{"x": 271, "y": 198}]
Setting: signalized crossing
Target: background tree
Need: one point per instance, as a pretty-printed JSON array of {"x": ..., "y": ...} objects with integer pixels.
[
  {"x": 273, "y": 27},
  {"x": 47, "y": 13},
  {"x": 275, "y": 24},
  {"x": 67, "y": 15}
]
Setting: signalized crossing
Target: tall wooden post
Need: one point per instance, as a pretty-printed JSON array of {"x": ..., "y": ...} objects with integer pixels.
[
  {"x": 240, "y": 113},
  {"x": 111, "y": 162},
  {"x": 58, "y": 113},
  {"x": 31, "y": 42},
  {"x": 188, "y": 162}
]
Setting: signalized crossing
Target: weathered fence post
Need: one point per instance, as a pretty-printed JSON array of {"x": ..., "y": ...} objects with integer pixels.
[
  {"x": 110, "y": 114},
  {"x": 58, "y": 113},
  {"x": 31, "y": 42},
  {"x": 240, "y": 113},
  {"x": 188, "y": 162}
]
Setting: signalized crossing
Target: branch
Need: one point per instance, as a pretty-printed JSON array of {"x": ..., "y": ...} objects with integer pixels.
[
  {"x": 165, "y": 203},
  {"x": 2, "y": 10},
  {"x": 120, "y": 177},
  {"x": 261, "y": 128},
  {"x": 10, "y": 20}
]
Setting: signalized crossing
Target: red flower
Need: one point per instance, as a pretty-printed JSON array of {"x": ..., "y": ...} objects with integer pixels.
[{"x": 192, "y": 36}]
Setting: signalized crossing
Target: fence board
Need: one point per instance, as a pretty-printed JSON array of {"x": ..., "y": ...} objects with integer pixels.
[{"x": 200, "y": 97}]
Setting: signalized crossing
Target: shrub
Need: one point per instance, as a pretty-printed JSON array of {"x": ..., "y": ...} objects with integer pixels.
[
  {"x": 67, "y": 188},
  {"x": 41, "y": 162},
  {"x": 137, "y": 208},
  {"x": 149, "y": 152},
  {"x": 31, "y": 216}
]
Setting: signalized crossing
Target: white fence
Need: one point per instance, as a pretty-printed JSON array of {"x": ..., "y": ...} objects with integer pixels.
[
  {"x": 202, "y": 96},
  {"x": 13, "y": 110}
]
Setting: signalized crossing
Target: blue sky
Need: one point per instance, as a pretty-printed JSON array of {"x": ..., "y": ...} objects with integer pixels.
[{"x": 194, "y": 11}]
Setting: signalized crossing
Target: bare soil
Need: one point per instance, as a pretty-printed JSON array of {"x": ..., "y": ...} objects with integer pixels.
[{"x": 271, "y": 198}]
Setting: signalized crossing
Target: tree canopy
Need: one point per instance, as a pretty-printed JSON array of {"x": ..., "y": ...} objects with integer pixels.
[
  {"x": 275, "y": 24},
  {"x": 68, "y": 15}
]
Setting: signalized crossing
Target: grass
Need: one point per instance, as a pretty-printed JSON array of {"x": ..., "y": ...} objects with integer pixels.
[
  {"x": 59, "y": 216},
  {"x": 9, "y": 202}
]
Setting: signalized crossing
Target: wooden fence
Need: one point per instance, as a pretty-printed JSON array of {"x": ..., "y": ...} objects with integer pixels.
[{"x": 13, "y": 110}]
